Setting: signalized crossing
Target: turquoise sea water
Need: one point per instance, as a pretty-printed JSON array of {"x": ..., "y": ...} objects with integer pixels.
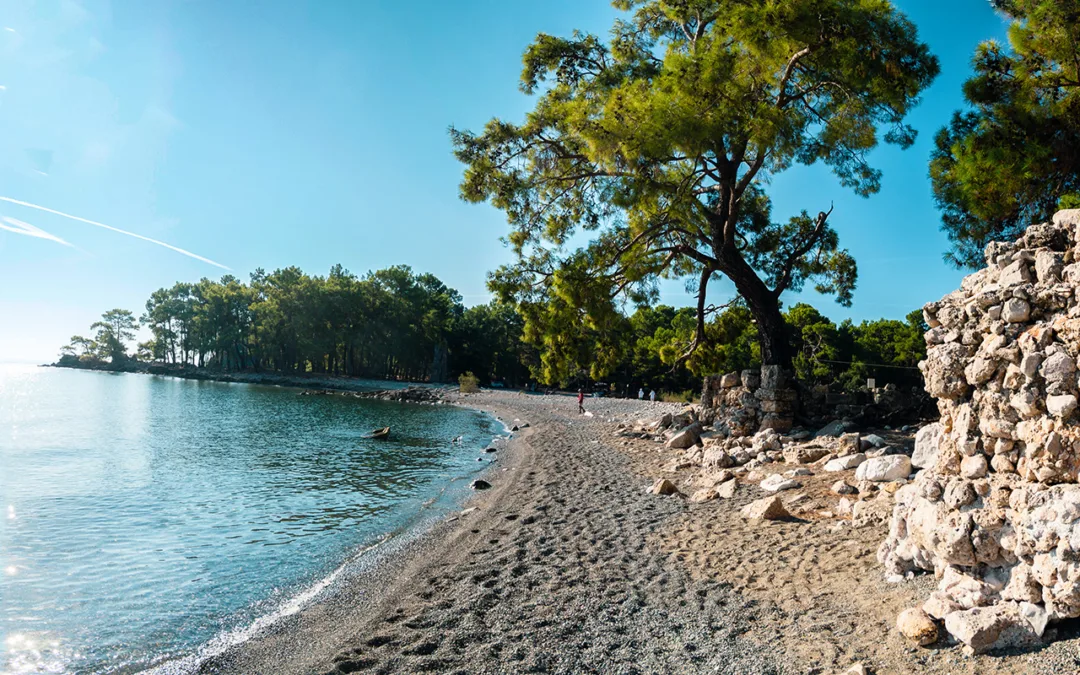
[{"x": 141, "y": 516}]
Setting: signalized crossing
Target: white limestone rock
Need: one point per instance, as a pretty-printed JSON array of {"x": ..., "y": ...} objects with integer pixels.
[
  {"x": 844, "y": 463},
  {"x": 883, "y": 469},
  {"x": 927, "y": 441},
  {"x": 778, "y": 483}
]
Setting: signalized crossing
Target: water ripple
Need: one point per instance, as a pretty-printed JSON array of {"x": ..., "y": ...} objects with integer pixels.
[{"x": 145, "y": 515}]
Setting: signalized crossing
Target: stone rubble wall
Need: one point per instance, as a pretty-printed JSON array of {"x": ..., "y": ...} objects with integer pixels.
[
  {"x": 750, "y": 401},
  {"x": 995, "y": 513}
]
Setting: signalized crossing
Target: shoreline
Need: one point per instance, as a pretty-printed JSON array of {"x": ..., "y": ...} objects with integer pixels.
[
  {"x": 297, "y": 381},
  {"x": 285, "y": 643},
  {"x": 542, "y": 561},
  {"x": 282, "y": 641},
  {"x": 567, "y": 566},
  {"x": 370, "y": 567}
]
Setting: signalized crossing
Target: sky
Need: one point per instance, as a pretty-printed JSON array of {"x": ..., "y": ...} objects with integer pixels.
[{"x": 178, "y": 139}]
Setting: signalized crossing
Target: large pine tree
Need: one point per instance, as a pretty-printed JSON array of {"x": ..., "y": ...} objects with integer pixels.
[{"x": 660, "y": 142}]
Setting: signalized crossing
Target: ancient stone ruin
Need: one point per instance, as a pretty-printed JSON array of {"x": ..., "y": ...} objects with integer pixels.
[
  {"x": 743, "y": 403},
  {"x": 995, "y": 513},
  {"x": 752, "y": 400}
]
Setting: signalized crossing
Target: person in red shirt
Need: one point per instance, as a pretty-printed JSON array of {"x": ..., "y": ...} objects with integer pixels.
[{"x": 581, "y": 401}]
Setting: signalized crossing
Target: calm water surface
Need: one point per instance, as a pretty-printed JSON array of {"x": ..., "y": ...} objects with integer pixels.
[{"x": 142, "y": 516}]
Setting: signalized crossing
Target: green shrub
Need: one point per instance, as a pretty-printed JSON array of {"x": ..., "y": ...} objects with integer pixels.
[
  {"x": 469, "y": 383},
  {"x": 687, "y": 396},
  {"x": 1071, "y": 201}
]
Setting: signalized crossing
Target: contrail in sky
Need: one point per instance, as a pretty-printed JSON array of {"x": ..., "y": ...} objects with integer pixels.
[
  {"x": 114, "y": 229},
  {"x": 20, "y": 227}
]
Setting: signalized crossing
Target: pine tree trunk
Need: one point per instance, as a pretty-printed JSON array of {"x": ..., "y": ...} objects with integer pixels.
[{"x": 764, "y": 307}]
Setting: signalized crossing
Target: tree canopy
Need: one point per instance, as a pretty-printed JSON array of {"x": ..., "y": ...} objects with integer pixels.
[
  {"x": 115, "y": 329},
  {"x": 1014, "y": 156},
  {"x": 658, "y": 144}
]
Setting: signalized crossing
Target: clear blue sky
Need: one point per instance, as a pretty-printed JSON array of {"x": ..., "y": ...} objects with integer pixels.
[{"x": 310, "y": 133}]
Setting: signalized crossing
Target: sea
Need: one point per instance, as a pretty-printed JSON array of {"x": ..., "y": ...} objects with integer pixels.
[{"x": 146, "y": 521}]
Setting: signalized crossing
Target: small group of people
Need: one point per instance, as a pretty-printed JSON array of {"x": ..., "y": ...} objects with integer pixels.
[{"x": 640, "y": 395}]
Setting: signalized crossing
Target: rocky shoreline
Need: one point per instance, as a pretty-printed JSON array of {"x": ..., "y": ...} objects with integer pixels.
[
  {"x": 412, "y": 394},
  {"x": 548, "y": 571},
  {"x": 568, "y": 565}
]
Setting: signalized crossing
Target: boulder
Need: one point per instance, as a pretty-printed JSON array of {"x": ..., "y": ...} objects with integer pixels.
[
  {"x": 717, "y": 458},
  {"x": 720, "y": 477},
  {"x": 804, "y": 454},
  {"x": 849, "y": 444},
  {"x": 683, "y": 419},
  {"x": 726, "y": 490},
  {"x": 983, "y": 629},
  {"x": 939, "y": 605},
  {"x": 769, "y": 508},
  {"x": 687, "y": 438},
  {"x": 1061, "y": 406},
  {"x": 1067, "y": 218},
  {"x": 883, "y": 469},
  {"x": 703, "y": 495},
  {"x": 1016, "y": 310},
  {"x": 1058, "y": 367},
  {"x": 729, "y": 381},
  {"x": 973, "y": 467},
  {"x": 927, "y": 441},
  {"x": 479, "y": 484},
  {"x": 871, "y": 512},
  {"x": 845, "y": 463},
  {"x": 917, "y": 626},
  {"x": 777, "y": 483},
  {"x": 767, "y": 440},
  {"x": 663, "y": 487},
  {"x": 872, "y": 441},
  {"x": 1015, "y": 274},
  {"x": 834, "y": 429},
  {"x": 845, "y": 507},
  {"x": 842, "y": 487}
]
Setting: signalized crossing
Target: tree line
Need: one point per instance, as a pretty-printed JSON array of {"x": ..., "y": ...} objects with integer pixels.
[
  {"x": 400, "y": 325},
  {"x": 390, "y": 324}
]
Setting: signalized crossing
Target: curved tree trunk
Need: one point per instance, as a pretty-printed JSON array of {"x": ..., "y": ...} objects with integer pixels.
[
  {"x": 778, "y": 392},
  {"x": 765, "y": 308}
]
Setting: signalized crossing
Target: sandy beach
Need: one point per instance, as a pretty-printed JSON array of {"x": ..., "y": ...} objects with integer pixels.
[
  {"x": 553, "y": 572},
  {"x": 567, "y": 566}
]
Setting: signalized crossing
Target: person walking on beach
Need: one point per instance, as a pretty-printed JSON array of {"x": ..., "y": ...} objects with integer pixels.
[
  {"x": 652, "y": 396},
  {"x": 581, "y": 401},
  {"x": 641, "y": 394}
]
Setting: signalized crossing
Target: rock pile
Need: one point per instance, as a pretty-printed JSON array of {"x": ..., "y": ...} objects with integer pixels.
[
  {"x": 777, "y": 464},
  {"x": 411, "y": 394},
  {"x": 996, "y": 512}
]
